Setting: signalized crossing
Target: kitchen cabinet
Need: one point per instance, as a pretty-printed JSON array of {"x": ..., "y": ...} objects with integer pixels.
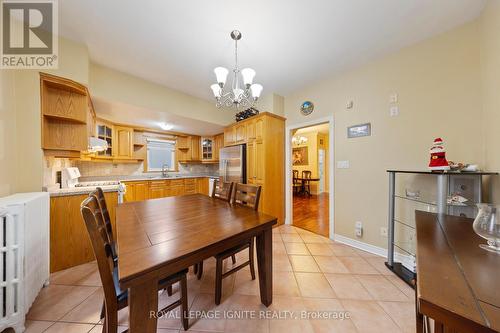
[
  {"x": 218, "y": 144},
  {"x": 69, "y": 241},
  {"x": 153, "y": 189},
  {"x": 123, "y": 142},
  {"x": 207, "y": 149},
  {"x": 264, "y": 136},
  {"x": 202, "y": 185},
  {"x": 136, "y": 191},
  {"x": 105, "y": 132},
  {"x": 188, "y": 149}
]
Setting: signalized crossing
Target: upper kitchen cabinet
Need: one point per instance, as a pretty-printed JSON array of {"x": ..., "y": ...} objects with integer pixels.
[
  {"x": 188, "y": 149},
  {"x": 123, "y": 142},
  {"x": 65, "y": 115},
  {"x": 218, "y": 144},
  {"x": 105, "y": 132}
]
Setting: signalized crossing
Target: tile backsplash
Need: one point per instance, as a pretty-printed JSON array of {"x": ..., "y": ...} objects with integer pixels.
[{"x": 111, "y": 171}]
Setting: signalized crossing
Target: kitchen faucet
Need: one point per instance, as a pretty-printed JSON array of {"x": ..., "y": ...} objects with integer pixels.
[{"x": 164, "y": 170}]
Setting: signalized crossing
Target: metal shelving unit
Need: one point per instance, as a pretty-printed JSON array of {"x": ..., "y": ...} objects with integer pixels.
[{"x": 401, "y": 224}]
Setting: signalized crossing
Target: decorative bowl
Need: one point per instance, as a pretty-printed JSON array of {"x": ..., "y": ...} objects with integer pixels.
[{"x": 487, "y": 225}]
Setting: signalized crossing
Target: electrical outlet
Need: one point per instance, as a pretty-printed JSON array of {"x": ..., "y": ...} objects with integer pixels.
[
  {"x": 383, "y": 231},
  {"x": 358, "y": 229},
  {"x": 350, "y": 105},
  {"x": 393, "y": 98},
  {"x": 394, "y": 111},
  {"x": 342, "y": 164}
]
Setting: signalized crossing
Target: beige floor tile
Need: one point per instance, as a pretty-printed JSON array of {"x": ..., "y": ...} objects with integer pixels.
[
  {"x": 358, "y": 265},
  {"x": 304, "y": 231},
  {"x": 69, "y": 328},
  {"x": 296, "y": 248},
  {"x": 347, "y": 286},
  {"x": 281, "y": 263},
  {"x": 365, "y": 254},
  {"x": 291, "y": 310},
  {"x": 98, "y": 329},
  {"x": 330, "y": 264},
  {"x": 304, "y": 264},
  {"x": 82, "y": 275},
  {"x": 243, "y": 283},
  {"x": 277, "y": 238},
  {"x": 291, "y": 238},
  {"x": 314, "y": 239},
  {"x": 208, "y": 283},
  {"x": 319, "y": 249},
  {"x": 285, "y": 284},
  {"x": 369, "y": 317},
  {"x": 87, "y": 312},
  {"x": 279, "y": 248},
  {"x": 276, "y": 230},
  {"x": 381, "y": 289},
  {"x": 379, "y": 264},
  {"x": 287, "y": 229},
  {"x": 243, "y": 305},
  {"x": 314, "y": 285},
  {"x": 55, "y": 301},
  {"x": 401, "y": 285},
  {"x": 205, "y": 302},
  {"x": 341, "y": 250},
  {"x": 338, "y": 320},
  {"x": 33, "y": 326},
  {"x": 402, "y": 313}
]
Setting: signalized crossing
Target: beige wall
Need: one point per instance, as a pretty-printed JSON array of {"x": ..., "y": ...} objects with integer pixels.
[
  {"x": 117, "y": 86},
  {"x": 7, "y": 133},
  {"x": 273, "y": 103},
  {"x": 490, "y": 65},
  {"x": 439, "y": 87}
]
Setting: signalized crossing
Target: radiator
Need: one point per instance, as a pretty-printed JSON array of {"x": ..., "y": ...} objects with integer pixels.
[{"x": 24, "y": 255}]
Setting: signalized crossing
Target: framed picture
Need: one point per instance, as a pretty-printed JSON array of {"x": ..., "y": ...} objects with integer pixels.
[
  {"x": 357, "y": 131},
  {"x": 299, "y": 156}
]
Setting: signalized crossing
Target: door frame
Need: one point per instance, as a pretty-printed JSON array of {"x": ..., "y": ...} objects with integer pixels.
[{"x": 331, "y": 170}]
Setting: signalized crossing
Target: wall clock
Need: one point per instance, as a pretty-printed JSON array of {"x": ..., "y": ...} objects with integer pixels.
[{"x": 307, "y": 108}]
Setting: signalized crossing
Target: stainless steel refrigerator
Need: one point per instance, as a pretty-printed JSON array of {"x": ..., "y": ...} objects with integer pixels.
[{"x": 232, "y": 164}]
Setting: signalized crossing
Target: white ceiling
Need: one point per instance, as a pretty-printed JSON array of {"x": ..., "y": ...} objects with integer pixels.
[
  {"x": 132, "y": 115},
  {"x": 322, "y": 128},
  {"x": 289, "y": 43}
]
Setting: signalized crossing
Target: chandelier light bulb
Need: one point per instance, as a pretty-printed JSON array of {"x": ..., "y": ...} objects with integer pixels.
[
  {"x": 216, "y": 90},
  {"x": 248, "y": 75},
  {"x": 221, "y": 74},
  {"x": 237, "y": 94},
  {"x": 256, "y": 90}
]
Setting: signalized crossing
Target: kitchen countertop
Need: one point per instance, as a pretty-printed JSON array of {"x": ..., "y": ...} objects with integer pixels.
[
  {"x": 141, "y": 178},
  {"x": 80, "y": 190}
]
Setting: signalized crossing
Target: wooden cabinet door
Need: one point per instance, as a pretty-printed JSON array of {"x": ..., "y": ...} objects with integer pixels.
[
  {"x": 251, "y": 130},
  {"x": 259, "y": 129},
  {"x": 229, "y": 136},
  {"x": 156, "y": 189},
  {"x": 129, "y": 192},
  {"x": 123, "y": 142},
  {"x": 141, "y": 191},
  {"x": 240, "y": 133},
  {"x": 251, "y": 162},
  {"x": 195, "y": 148},
  {"x": 219, "y": 143},
  {"x": 259, "y": 166}
]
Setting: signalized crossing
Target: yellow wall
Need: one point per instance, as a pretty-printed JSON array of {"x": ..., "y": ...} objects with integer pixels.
[
  {"x": 490, "y": 65},
  {"x": 439, "y": 87},
  {"x": 121, "y": 87}
]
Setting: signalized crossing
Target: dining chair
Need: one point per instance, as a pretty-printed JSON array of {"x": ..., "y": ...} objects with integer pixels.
[
  {"x": 98, "y": 193},
  {"x": 244, "y": 195},
  {"x": 296, "y": 183},
  {"x": 306, "y": 174},
  {"x": 115, "y": 298},
  {"x": 221, "y": 191}
]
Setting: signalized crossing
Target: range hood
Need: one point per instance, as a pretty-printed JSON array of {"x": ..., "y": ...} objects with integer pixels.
[{"x": 96, "y": 145}]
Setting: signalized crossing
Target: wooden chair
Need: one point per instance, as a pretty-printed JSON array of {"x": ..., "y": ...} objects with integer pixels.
[
  {"x": 222, "y": 191},
  {"x": 296, "y": 183},
  {"x": 306, "y": 174},
  {"x": 101, "y": 201},
  {"x": 116, "y": 299},
  {"x": 248, "y": 196}
]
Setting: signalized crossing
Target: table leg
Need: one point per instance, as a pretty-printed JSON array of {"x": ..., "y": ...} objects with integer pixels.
[
  {"x": 265, "y": 264},
  {"x": 143, "y": 306}
]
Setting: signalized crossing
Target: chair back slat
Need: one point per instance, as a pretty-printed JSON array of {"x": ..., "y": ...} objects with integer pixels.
[
  {"x": 306, "y": 174},
  {"x": 222, "y": 190},
  {"x": 101, "y": 246},
  {"x": 247, "y": 195},
  {"x": 101, "y": 200}
]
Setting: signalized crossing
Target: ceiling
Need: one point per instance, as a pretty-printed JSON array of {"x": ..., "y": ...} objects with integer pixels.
[
  {"x": 289, "y": 43},
  {"x": 322, "y": 128},
  {"x": 128, "y": 115}
]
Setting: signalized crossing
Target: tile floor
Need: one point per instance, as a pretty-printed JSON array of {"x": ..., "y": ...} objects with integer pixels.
[{"x": 311, "y": 273}]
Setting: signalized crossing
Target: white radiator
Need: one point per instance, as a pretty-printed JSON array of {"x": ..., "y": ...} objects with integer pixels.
[{"x": 24, "y": 255}]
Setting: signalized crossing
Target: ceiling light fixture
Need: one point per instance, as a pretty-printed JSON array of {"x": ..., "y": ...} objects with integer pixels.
[
  {"x": 299, "y": 140},
  {"x": 239, "y": 96},
  {"x": 165, "y": 126}
]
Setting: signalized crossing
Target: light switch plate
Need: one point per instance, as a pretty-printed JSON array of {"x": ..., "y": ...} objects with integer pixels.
[
  {"x": 342, "y": 164},
  {"x": 394, "y": 111},
  {"x": 393, "y": 98}
]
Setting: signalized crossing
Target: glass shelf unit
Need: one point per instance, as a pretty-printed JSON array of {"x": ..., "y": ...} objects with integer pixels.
[{"x": 426, "y": 191}]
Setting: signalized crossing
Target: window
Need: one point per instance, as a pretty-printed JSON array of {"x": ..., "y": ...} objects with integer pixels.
[{"x": 160, "y": 153}]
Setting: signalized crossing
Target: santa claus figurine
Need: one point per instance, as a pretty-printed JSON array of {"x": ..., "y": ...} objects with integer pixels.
[{"x": 438, "y": 156}]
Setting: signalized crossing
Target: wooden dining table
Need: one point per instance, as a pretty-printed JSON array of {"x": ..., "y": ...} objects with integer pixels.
[
  {"x": 160, "y": 237},
  {"x": 303, "y": 181}
]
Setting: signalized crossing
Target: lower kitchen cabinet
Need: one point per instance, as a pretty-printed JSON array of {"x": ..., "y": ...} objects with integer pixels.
[
  {"x": 154, "y": 189},
  {"x": 69, "y": 241}
]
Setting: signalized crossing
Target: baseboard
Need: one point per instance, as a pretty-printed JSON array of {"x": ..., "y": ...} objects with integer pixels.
[{"x": 406, "y": 260}]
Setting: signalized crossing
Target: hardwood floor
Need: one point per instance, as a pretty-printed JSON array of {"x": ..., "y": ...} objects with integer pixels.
[{"x": 311, "y": 213}]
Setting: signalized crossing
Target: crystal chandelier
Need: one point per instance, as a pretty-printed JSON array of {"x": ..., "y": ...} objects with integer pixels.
[{"x": 237, "y": 96}]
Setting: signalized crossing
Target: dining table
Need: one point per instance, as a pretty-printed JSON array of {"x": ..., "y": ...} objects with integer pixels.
[
  {"x": 160, "y": 237},
  {"x": 303, "y": 181}
]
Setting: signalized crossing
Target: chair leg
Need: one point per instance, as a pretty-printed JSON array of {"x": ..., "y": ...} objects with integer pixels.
[
  {"x": 169, "y": 290},
  {"x": 233, "y": 258},
  {"x": 195, "y": 269},
  {"x": 218, "y": 281},
  {"x": 200, "y": 270},
  {"x": 184, "y": 303},
  {"x": 111, "y": 321},
  {"x": 251, "y": 257}
]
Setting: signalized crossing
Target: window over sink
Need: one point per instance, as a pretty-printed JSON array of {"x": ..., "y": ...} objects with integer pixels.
[{"x": 160, "y": 153}]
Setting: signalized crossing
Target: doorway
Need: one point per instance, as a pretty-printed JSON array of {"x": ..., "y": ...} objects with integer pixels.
[{"x": 309, "y": 168}]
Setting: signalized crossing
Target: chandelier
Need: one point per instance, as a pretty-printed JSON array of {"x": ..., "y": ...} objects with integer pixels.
[
  {"x": 238, "y": 96},
  {"x": 299, "y": 140}
]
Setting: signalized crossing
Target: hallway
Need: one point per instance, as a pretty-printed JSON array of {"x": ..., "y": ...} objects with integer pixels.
[{"x": 311, "y": 213}]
